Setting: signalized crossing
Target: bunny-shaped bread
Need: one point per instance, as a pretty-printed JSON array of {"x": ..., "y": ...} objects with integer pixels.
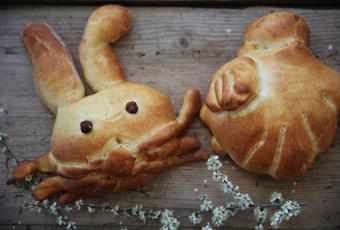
[
  {"x": 275, "y": 106},
  {"x": 114, "y": 140}
]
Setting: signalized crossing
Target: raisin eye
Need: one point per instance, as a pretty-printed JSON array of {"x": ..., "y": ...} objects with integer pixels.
[
  {"x": 131, "y": 107},
  {"x": 86, "y": 126}
]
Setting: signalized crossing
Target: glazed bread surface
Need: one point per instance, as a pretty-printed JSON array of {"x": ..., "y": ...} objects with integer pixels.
[{"x": 275, "y": 106}]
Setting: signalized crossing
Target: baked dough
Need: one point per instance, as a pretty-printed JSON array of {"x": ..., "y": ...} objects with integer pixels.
[
  {"x": 275, "y": 106},
  {"x": 115, "y": 139}
]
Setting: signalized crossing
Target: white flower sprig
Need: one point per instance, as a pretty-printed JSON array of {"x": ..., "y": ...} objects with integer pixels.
[
  {"x": 243, "y": 201},
  {"x": 287, "y": 210},
  {"x": 219, "y": 214}
]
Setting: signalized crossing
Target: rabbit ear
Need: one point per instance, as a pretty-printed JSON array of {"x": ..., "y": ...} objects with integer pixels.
[
  {"x": 55, "y": 77},
  {"x": 99, "y": 62}
]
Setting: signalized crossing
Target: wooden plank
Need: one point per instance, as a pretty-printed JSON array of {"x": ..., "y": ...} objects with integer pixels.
[
  {"x": 171, "y": 49},
  {"x": 302, "y": 3}
]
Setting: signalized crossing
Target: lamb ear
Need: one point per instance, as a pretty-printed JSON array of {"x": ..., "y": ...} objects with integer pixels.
[
  {"x": 55, "y": 77},
  {"x": 99, "y": 62}
]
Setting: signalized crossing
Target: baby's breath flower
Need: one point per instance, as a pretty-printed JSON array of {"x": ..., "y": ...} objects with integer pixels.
[
  {"x": 155, "y": 214},
  {"x": 68, "y": 208},
  {"x": 115, "y": 210},
  {"x": 207, "y": 227},
  {"x": 259, "y": 227},
  {"x": 232, "y": 207},
  {"x": 195, "y": 218},
  {"x": 213, "y": 163},
  {"x": 136, "y": 209},
  {"x": 206, "y": 204},
  {"x": 260, "y": 215},
  {"x": 220, "y": 215},
  {"x": 28, "y": 178},
  {"x": 276, "y": 198},
  {"x": 287, "y": 210},
  {"x": 141, "y": 216},
  {"x": 79, "y": 203},
  {"x": 54, "y": 208},
  {"x": 168, "y": 221},
  {"x": 61, "y": 220},
  {"x": 217, "y": 176},
  {"x": 91, "y": 209},
  {"x": 227, "y": 186},
  {"x": 71, "y": 225},
  {"x": 291, "y": 208},
  {"x": 243, "y": 200},
  {"x": 45, "y": 203}
]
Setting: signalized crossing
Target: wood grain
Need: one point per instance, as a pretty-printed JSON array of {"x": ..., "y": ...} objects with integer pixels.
[
  {"x": 172, "y": 49},
  {"x": 200, "y": 3}
]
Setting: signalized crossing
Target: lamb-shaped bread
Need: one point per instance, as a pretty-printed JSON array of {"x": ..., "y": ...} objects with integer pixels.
[
  {"x": 114, "y": 140},
  {"x": 275, "y": 106}
]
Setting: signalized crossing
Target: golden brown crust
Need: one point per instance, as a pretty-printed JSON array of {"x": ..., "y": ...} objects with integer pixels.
[
  {"x": 55, "y": 77},
  {"x": 294, "y": 114},
  {"x": 100, "y": 144},
  {"x": 274, "y": 30},
  {"x": 99, "y": 62},
  {"x": 233, "y": 86}
]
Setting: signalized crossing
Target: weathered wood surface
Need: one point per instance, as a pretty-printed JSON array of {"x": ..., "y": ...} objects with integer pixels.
[
  {"x": 302, "y": 3},
  {"x": 171, "y": 49}
]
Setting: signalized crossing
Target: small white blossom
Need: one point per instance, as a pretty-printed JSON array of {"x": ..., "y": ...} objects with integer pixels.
[
  {"x": 276, "y": 198},
  {"x": 213, "y": 163},
  {"x": 115, "y": 210},
  {"x": 79, "y": 203},
  {"x": 207, "y": 227},
  {"x": 28, "y": 178},
  {"x": 205, "y": 181},
  {"x": 155, "y": 214},
  {"x": 195, "y": 218},
  {"x": 60, "y": 221},
  {"x": 330, "y": 47},
  {"x": 287, "y": 210},
  {"x": 71, "y": 225},
  {"x": 293, "y": 191},
  {"x": 227, "y": 187},
  {"x": 220, "y": 215},
  {"x": 294, "y": 183},
  {"x": 19, "y": 222},
  {"x": 68, "y": 208},
  {"x": 168, "y": 221},
  {"x": 54, "y": 208},
  {"x": 45, "y": 203},
  {"x": 228, "y": 31},
  {"x": 141, "y": 216},
  {"x": 217, "y": 176},
  {"x": 136, "y": 209},
  {"x": 260, "y": 215},
  {"x": 259, "y": 227},
  {"x": 243, "y": 200},
  {"x": 196, "y": 190},
  {"x": 206, "y": 204},
  {"x": 91, "y": 210},
  {"x": 232, "y": 207}
]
